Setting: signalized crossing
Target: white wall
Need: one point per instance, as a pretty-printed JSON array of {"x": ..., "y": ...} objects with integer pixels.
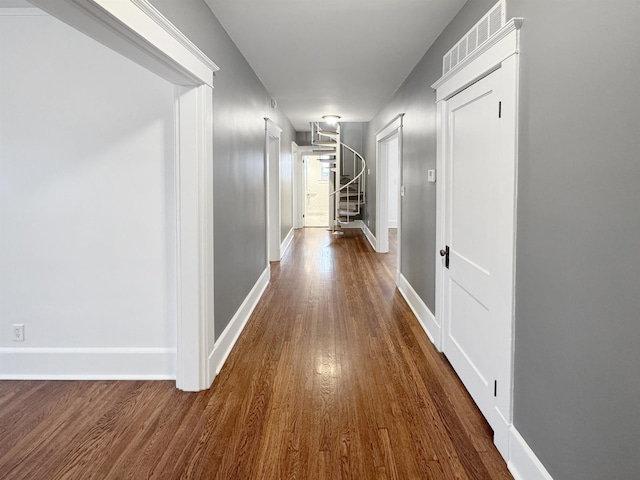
[{"x": 87, "y": 208}]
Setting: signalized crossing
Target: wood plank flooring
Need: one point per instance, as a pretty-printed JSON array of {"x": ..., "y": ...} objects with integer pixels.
[{"x": 333, "y": 378}]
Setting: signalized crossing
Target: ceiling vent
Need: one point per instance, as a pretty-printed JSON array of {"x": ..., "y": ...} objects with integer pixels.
[{"x": 480, "y": 33}]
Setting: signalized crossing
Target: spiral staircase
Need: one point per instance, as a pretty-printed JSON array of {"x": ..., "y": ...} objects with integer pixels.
[{"x": 347, "y": 167}]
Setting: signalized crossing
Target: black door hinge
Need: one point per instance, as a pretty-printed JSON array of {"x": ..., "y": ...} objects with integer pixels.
[
  {"x": 495, "y": 388},
  {"x": 499, "y": 109}
]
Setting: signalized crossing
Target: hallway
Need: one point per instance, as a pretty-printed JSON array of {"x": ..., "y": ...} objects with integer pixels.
[{"x": 332, "y": 378}]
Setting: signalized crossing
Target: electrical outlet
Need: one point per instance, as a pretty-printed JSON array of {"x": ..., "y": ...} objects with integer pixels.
[{"x": 18, "y": 332}]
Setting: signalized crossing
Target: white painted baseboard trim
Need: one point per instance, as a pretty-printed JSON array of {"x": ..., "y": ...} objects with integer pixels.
[
  {"x": 393, "y": 224},
  {"x": 523, "y": 463},
  {"x": 369, "y": 235},
  {"x": 421, "y": 311},
  {"x": 228, "y": 338},
  {"x": 87, "y": 363},
  {"x": 352, "y": 224},
  {"x": 286, "y": 243}
]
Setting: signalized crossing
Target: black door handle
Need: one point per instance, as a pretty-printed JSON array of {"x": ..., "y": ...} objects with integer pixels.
[{"x": 445, "y": 253}]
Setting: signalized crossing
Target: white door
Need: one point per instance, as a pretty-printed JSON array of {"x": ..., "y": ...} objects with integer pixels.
[
  {"x": 472, "y": 285},
  {"x": 317, "y": 193}
]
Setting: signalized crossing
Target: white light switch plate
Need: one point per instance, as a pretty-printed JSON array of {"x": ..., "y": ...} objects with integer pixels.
[{"x": 431, "y": 175}]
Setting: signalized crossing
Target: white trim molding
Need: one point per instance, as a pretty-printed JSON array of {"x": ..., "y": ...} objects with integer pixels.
[
  {"x": 421, "y": 311},
  {"x": 137, "y": 30},
  {"x": 194, "y": 177},
  {"x": 286, "y": 243},
  {"x": 369, "y": 235},
  {"x": 523, "y": 463},
  {"x": 382, "y": 187},
  {"x": 481, "y": 62},
  {"x": 229, "y": 337},
  {"x": 57, "y": 363},
  {"x": 272, "y": 200}
]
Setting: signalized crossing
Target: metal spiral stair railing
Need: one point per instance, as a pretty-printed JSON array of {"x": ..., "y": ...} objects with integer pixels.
[{"x": 348, "y": 193}]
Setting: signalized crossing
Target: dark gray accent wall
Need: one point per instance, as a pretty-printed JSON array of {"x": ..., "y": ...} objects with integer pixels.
[
  {"x": 240, "y": 104},
  {"x": 577, "y": 361},
  {"x": 416, "y": 100}
]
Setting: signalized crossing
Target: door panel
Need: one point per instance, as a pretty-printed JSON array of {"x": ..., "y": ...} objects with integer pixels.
[
  {"x": 471, "y": 167},
  {"x": 317, "y": 193}
]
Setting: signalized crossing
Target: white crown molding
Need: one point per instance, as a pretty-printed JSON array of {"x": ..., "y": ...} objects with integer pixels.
[
  {"x": 153, "y": 13},
  {"x": 511, "y": 26}
]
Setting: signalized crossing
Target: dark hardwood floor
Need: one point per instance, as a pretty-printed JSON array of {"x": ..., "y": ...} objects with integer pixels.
[{"x": 332, "y": 378}]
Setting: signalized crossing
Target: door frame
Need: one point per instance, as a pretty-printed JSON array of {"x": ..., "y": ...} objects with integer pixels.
[
  {"x": 501, "y": 52},
  {"x": 305, "y": 170},
  {"x": 138, "y": 31},
  {"x": 303, "y": 151},
  {"x": 273, "y": 200},
  {"x": 394, "y": 127}
]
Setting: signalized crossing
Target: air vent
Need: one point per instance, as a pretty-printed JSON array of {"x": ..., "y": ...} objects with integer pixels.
[{"x": 480, "y": 33}]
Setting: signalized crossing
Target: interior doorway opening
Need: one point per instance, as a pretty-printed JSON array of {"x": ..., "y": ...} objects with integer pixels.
[{"x": 316, "y": 204}]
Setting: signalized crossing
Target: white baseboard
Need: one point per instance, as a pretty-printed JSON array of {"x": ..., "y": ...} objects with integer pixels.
[
  {"x": 352, "y": 224},
  {"x": 369, "y": 235},
  {"x": 87, "y": 363},
  {"x": 228, "y": 338},
  {"x": 421, "y": 311},
  {"x": 392, "y": 224},
  {"x": 286, "y": 243},
  {"x": 523, "y": 463}
]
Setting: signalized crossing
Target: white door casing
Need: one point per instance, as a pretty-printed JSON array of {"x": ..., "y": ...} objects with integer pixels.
[
  {"x": 316, "y": 193},
  {"x": 138, "y": 31},
  {"x": 272, "y": 189},
  {"x": 392, "y": 129},
  {"x": 475, "y": 296}
]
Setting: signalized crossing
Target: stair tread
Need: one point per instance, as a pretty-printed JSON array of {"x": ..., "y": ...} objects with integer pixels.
[
  {"x": 328, "y": 133},
  {"x": 328, "y": 143}
]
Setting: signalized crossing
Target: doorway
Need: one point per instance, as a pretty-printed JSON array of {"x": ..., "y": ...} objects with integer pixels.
[
  {"x": 272, "y": 190},
  {"x": 475, "y": 226},
  {"x": 316, "y": 206},
  {"x": 389, "y": 189}
]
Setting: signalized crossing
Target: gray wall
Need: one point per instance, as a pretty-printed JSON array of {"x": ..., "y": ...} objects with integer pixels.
[
  {"x": 577, "y": 363},
  {"x": 352, "y": 135},
  {"x": 416, "y": 100},
  {"x": 577, "y": 371},
  {"x": 240, "y": 105}
]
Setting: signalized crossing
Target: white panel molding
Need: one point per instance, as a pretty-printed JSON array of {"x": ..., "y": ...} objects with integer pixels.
[
  {"x": 135, "y": 29},
  {"x": 286, "y": 243},
  {"x": 421, "y": 311},
  {"x": 369, "y": 235},
  {"x": 87, "y": 363},
  {"x": 523, "y": 463},
  {"x": 228, "y": 338}
]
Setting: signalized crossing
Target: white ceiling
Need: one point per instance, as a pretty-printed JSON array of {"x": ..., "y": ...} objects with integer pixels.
[{"x": 344, "y": 57}]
